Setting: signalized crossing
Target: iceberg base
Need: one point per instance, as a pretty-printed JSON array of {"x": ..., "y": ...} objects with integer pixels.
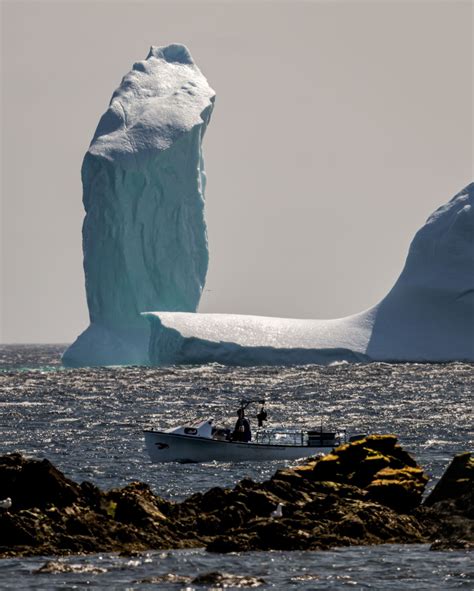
[{"x": 100, "y": 346}]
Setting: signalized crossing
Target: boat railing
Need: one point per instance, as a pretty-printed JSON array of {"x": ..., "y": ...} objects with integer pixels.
[
  {"x": 298, "y": 437},
  {"x": 283, "y": 436}
]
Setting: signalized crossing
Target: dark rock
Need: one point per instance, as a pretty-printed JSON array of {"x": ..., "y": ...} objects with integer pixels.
[
  {"x": 352, "y": 527},
  {"x": 94, "y": 497},
  {"x": 209, "y": 525},
  {"x": 287, "y": 489},
  {"x": 227, "y": 580},
  {"x": 17, "y": 532},
  {"x": 214, "y": 499},
  {"x": 401, "y": 489},
  {"x": 376, "y": 464},
  {"x": 226, "y": 544},
  {"x": 365, "y": 492},
  {"x": 457, "y": 481},
  {"x": 449, "y": 509},
  {"x": 130, "y": 554},
  {"x": 258, "y": 502},
  {"x": 53, "y": 567},
  {"x": 34, "y": 483},
  {"x": 452, "y": 544},
  {"x": 279, "y": 535},
  {"x": 135, "y": 503}
]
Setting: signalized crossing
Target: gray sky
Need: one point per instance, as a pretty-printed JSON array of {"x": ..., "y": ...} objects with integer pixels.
[{"x": 338, "y": 128}]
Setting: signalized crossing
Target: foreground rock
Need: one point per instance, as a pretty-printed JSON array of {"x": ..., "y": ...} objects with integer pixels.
[
  {"x": 50, "y": 514},
  {"x": 452, "y": 505},
  {"x": 366, "y": 492},
  {"x": 215, "y": 580}
]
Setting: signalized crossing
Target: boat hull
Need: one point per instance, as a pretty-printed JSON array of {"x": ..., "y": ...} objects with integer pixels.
[{"x": 168, "y": 447}]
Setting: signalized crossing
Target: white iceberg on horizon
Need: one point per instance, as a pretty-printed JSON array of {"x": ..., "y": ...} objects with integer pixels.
[
  {"x": 427, "y": 316},
  {"x": 146, "y": 255}
]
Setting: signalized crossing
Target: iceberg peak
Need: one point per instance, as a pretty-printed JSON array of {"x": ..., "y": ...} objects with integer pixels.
[
  {"x": 160, "y": 99},
  {"x": 174, "y": 53},
  {"x": 144, "y": 233}
]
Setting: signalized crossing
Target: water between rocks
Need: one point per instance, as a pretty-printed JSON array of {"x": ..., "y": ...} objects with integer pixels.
[{"x": 89, "y": 423}]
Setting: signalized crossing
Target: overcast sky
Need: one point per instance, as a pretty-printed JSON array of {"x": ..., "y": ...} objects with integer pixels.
[{"x": 338, "y": 128}]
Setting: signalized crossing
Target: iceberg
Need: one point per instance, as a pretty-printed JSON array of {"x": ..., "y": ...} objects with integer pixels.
[
  {"x": 144, "y": 233},
  {"x": 146, "y": 255},
  {"x": 427, "y": 316}
]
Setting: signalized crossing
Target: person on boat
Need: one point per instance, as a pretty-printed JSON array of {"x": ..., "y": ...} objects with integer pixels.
[{"x": 242, "y": 428}]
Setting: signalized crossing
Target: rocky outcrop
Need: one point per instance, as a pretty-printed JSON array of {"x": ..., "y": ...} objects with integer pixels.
[
  {"x": 51, "y": 514},
  {"x": 366, "y": 492},
  {"x": 214, "y": 579},
  {"x": 451, "y": 505}
]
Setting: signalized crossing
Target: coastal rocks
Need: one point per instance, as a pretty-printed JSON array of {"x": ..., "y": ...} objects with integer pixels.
[
  {"x": 451, "y": 505},
  {"x": 335, "y": 500},
  {"x": 377, "y": 464},
  {"x": 136, "y": 504},
  {"x": 213, "y": 580},
  {"x": 34, "y": 483},
  {"x": 216, "y": 579},
  {"x": 56, "y": 567},
  {"x": 365, "y": 492},
  {"x": 51, "y": 514},
  {"x": 457, "y": 481}
]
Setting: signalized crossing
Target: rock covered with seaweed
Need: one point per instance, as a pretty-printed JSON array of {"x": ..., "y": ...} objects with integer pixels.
[{"x": 366, "y": 492}]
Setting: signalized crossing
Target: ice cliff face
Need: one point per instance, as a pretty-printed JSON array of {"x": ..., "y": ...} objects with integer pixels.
[
  {"x": 427, "y": 316},
  {"x": 144, "y": 234},
  {"x": 429, "y": 313}
]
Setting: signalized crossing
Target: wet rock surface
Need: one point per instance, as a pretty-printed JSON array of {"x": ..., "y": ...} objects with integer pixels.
[
  {"x": 365, "y": 492},
  {"x": 51, "y": 514},
  {"x": 217, "y": 579}
]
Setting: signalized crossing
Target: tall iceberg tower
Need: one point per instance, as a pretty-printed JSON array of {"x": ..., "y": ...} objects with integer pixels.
[{"x": 144, "y": 233}]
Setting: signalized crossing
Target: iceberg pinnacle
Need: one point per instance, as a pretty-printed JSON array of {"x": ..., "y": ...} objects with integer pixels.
[
  {"x": 144, "y": 233},
  {"x": 427, "y": 316}
]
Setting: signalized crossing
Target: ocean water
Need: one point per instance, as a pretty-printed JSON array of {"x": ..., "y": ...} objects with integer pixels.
[{"x": 89, "y": 423}]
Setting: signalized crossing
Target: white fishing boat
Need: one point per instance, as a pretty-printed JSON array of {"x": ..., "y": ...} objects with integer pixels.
[{"x": 202, "y": 441}]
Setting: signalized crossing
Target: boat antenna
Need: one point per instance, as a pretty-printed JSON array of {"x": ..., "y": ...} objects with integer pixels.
[{"x": 244, "y": 403}]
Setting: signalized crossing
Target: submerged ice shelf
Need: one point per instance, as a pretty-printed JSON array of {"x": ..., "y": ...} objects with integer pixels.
[
  {"x": 427, "y": 316},
  {"x": 236, "y": 339},
  {"x": 144, "y": 234}
]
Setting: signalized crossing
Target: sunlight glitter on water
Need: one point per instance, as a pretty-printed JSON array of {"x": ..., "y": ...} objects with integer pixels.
[
  {"x": 89, "y": 423},
  {"x": 389, "y": 567}
]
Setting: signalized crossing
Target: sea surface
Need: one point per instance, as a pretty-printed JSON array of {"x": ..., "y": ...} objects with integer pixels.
[{"x": 89, "y": 423}]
